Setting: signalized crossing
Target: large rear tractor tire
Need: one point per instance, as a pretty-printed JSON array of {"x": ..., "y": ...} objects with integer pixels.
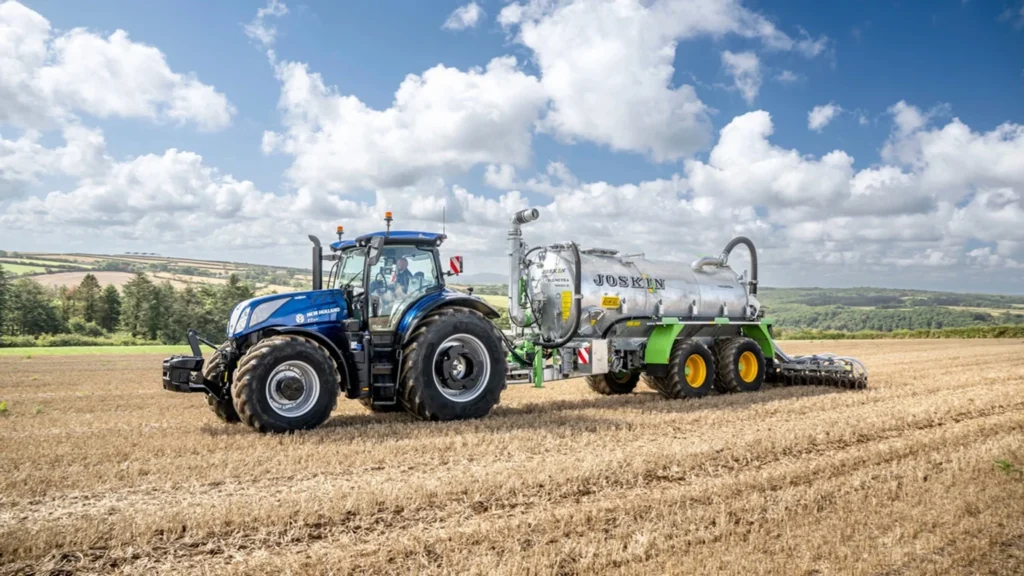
[
  {"x": 613, "y": 382},
  {"x": 452, "y": 366},
  {"x": 741, "y": 366},
  {"x": 285, "y": 383},
  {"x": 215, "y": 369},
  {"x": 691, "y": 370}
]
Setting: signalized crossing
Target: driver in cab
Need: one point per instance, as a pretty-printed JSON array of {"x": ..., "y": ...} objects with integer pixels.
[{"x": 402, "y": 276}]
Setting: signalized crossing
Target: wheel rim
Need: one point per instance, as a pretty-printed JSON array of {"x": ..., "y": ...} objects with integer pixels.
[
  {"x": 293, "y": 388},
  {"x": 620, "y": 377},
  {"x": 461, "y": 368},
  {"x": 748, "y": 367},
  {"x": 695, "y": 370}
]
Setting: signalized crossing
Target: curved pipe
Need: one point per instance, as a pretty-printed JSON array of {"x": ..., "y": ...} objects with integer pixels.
[
  {"x": 753, "y": 258},
  {"x": 576, "y": 312}
]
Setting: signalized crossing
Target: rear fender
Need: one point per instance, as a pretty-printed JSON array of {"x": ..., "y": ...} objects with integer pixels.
[{"x": 422, "y": 309}]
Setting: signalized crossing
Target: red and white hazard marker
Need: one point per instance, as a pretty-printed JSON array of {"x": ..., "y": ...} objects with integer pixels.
[
  {"x": 583, "y": 354},
  {"x": 455, "y": 262}
]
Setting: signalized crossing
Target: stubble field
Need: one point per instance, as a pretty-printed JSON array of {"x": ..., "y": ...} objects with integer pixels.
[{"x": 104, "y": 472}]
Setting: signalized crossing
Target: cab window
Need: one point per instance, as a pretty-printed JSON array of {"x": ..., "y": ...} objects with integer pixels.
[{"x": 398, "y": 279}]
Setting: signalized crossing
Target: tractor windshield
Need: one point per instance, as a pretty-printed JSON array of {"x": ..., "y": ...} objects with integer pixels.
[{"x": 350, "y": 272}]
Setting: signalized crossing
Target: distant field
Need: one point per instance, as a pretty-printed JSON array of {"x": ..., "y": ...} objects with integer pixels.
[
  {"x": 19, "y": 269},
  {"x": 33, "y": 261},
  {"x": 74, "y": 278},
  {"x": 90, "y": 350}
]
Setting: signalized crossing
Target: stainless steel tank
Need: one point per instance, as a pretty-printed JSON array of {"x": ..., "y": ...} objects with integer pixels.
[{"x": 614, "y": 289}]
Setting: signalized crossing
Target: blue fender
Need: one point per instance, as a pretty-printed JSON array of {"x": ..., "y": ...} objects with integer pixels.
[
  {"x": 325, "y": 340},
  {"x": 441, "y": 299}
]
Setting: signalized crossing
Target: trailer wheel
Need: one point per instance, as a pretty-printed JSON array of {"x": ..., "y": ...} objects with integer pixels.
[
  {"x": 613, "y": 382},
  {"x": 285, "y": 383},
  {"x": 740, "y": 366},
  {"x": 216, "y": 370},
  {"x": 452, "y": 366},
  {"x": 691, "y": 370}
]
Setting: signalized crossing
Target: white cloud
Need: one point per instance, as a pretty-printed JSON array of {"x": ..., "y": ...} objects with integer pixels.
[
  {"x": 464, "y": 17},
  {"x": 745, "y": 69},
  {"x": 262, "y": 32},
  {"x": 787, "y": 77},
  {"x": 608, "y": 67},
  {"x": 502, "y": 177},
  {"x": 442, "y": 121},
  {"x": 45, "y": 80},
  {"x": 821, "y": 116}
]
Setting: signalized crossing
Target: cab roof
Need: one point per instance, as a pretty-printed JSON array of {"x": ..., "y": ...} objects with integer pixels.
[{"x": 395, "y": 237}]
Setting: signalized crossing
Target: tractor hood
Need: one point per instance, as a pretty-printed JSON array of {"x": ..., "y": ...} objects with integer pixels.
[{"x": 289, "y": 309}]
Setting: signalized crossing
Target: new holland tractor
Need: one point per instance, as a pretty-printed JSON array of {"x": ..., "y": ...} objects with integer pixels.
[{"x": 383, "y": 328}]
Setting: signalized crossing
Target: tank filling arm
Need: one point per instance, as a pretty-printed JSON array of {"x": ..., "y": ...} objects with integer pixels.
[
  {"x": 723, "y": 260},
  {"x": 515, "y": 262}
]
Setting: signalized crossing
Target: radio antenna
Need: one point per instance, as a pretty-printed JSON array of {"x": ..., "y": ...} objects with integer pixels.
[{"x": 443, "y": 206}]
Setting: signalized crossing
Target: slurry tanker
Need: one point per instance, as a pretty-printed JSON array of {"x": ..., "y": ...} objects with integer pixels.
[{"x": 383, "y": 328}]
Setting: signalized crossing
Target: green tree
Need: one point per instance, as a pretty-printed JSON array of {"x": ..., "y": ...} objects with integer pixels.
[
  {"x": 67, "y": 303},
  {"x": 5, "y": 290},
  {"x": 31, "y": 309},
  {"x": 109, "y": 309},
  {"x": 137, "y": 304},
  {"x": 88, "y": 296},
  {"x": 160, "y": 312}
]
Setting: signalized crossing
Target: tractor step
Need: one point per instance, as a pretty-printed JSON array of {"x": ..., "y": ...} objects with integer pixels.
[
  {"x": 381, "y": 369},
  {"x": 384, "y": 393}
]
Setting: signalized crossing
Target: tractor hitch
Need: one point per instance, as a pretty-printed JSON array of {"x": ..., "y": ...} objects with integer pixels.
[{"x": 184, "y": 373}]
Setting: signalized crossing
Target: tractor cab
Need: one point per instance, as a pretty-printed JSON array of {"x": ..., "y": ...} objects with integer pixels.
[{"x": 383, "y": 274}]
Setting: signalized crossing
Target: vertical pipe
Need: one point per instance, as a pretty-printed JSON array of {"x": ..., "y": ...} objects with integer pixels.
[
  {"x": 318, "y": 263},
  {"x": 515, "y": 262}
]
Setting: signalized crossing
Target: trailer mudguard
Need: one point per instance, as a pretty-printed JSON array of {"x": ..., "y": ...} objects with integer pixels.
[{"x": 659, "y": 343}]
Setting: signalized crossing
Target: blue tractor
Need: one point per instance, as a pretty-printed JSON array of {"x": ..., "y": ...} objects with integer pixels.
[{"x": 381, "y": 327}]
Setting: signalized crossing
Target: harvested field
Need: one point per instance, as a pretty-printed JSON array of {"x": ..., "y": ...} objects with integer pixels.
[
  {"x": 69, "y": 279},
  {"x": 104, "y": 472}
]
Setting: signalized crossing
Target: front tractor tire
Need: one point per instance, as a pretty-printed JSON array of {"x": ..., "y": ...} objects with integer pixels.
[
  {"x": 613, "y": 382},
  {"x": 741, "y": 366},
  {"x": 285, "y": 383},
  {"x": 452, "y": 366},
  {"x": 216, "y": 370}
]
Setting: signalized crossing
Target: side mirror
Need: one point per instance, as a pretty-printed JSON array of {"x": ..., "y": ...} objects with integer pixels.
[
  {"x": 455, "y": 263},
  {"x": 375, "y": 249}
]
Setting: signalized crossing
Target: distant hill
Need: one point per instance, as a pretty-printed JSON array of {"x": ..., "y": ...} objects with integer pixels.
[{"x": 843, "y": 309}]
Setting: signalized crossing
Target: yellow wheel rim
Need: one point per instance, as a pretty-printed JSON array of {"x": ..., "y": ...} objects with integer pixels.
[
  {"x": 748, "y": 367},
  {"x": 696, "y": 371}
]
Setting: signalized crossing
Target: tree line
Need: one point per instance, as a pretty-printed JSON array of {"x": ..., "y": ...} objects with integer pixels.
[{"x": 143, "y": 310}]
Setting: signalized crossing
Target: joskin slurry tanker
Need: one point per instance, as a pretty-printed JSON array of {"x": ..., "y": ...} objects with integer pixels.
[{"x": 388, "y": 332}]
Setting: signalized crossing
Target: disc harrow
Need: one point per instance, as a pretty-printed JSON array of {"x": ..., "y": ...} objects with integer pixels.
[{"x": 819, "y": 370}]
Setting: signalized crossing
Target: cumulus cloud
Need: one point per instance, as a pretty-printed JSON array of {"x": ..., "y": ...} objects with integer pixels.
[
  {"x": 47, "y": 79},
  {"x": 464, "y": 17},
  {"x": 445, "y": 120},
  {"x": 608, "y": 67},
  {"x": 745, "y": 69},
  {"x": 821, "y": 116}
]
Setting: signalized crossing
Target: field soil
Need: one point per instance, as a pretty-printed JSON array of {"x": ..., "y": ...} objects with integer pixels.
[{"x": 104, "y": 472}]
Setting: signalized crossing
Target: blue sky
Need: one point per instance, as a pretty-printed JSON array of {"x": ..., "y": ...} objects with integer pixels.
[{"x": 944, "y": 59}]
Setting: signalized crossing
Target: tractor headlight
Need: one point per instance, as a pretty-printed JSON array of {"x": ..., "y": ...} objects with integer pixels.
[
  {"x": 240, "y": 321},
  {"x": 265, "y": 310}
]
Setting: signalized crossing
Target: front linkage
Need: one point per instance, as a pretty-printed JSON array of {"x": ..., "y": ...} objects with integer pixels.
[{"x": 183, "y": 373}]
